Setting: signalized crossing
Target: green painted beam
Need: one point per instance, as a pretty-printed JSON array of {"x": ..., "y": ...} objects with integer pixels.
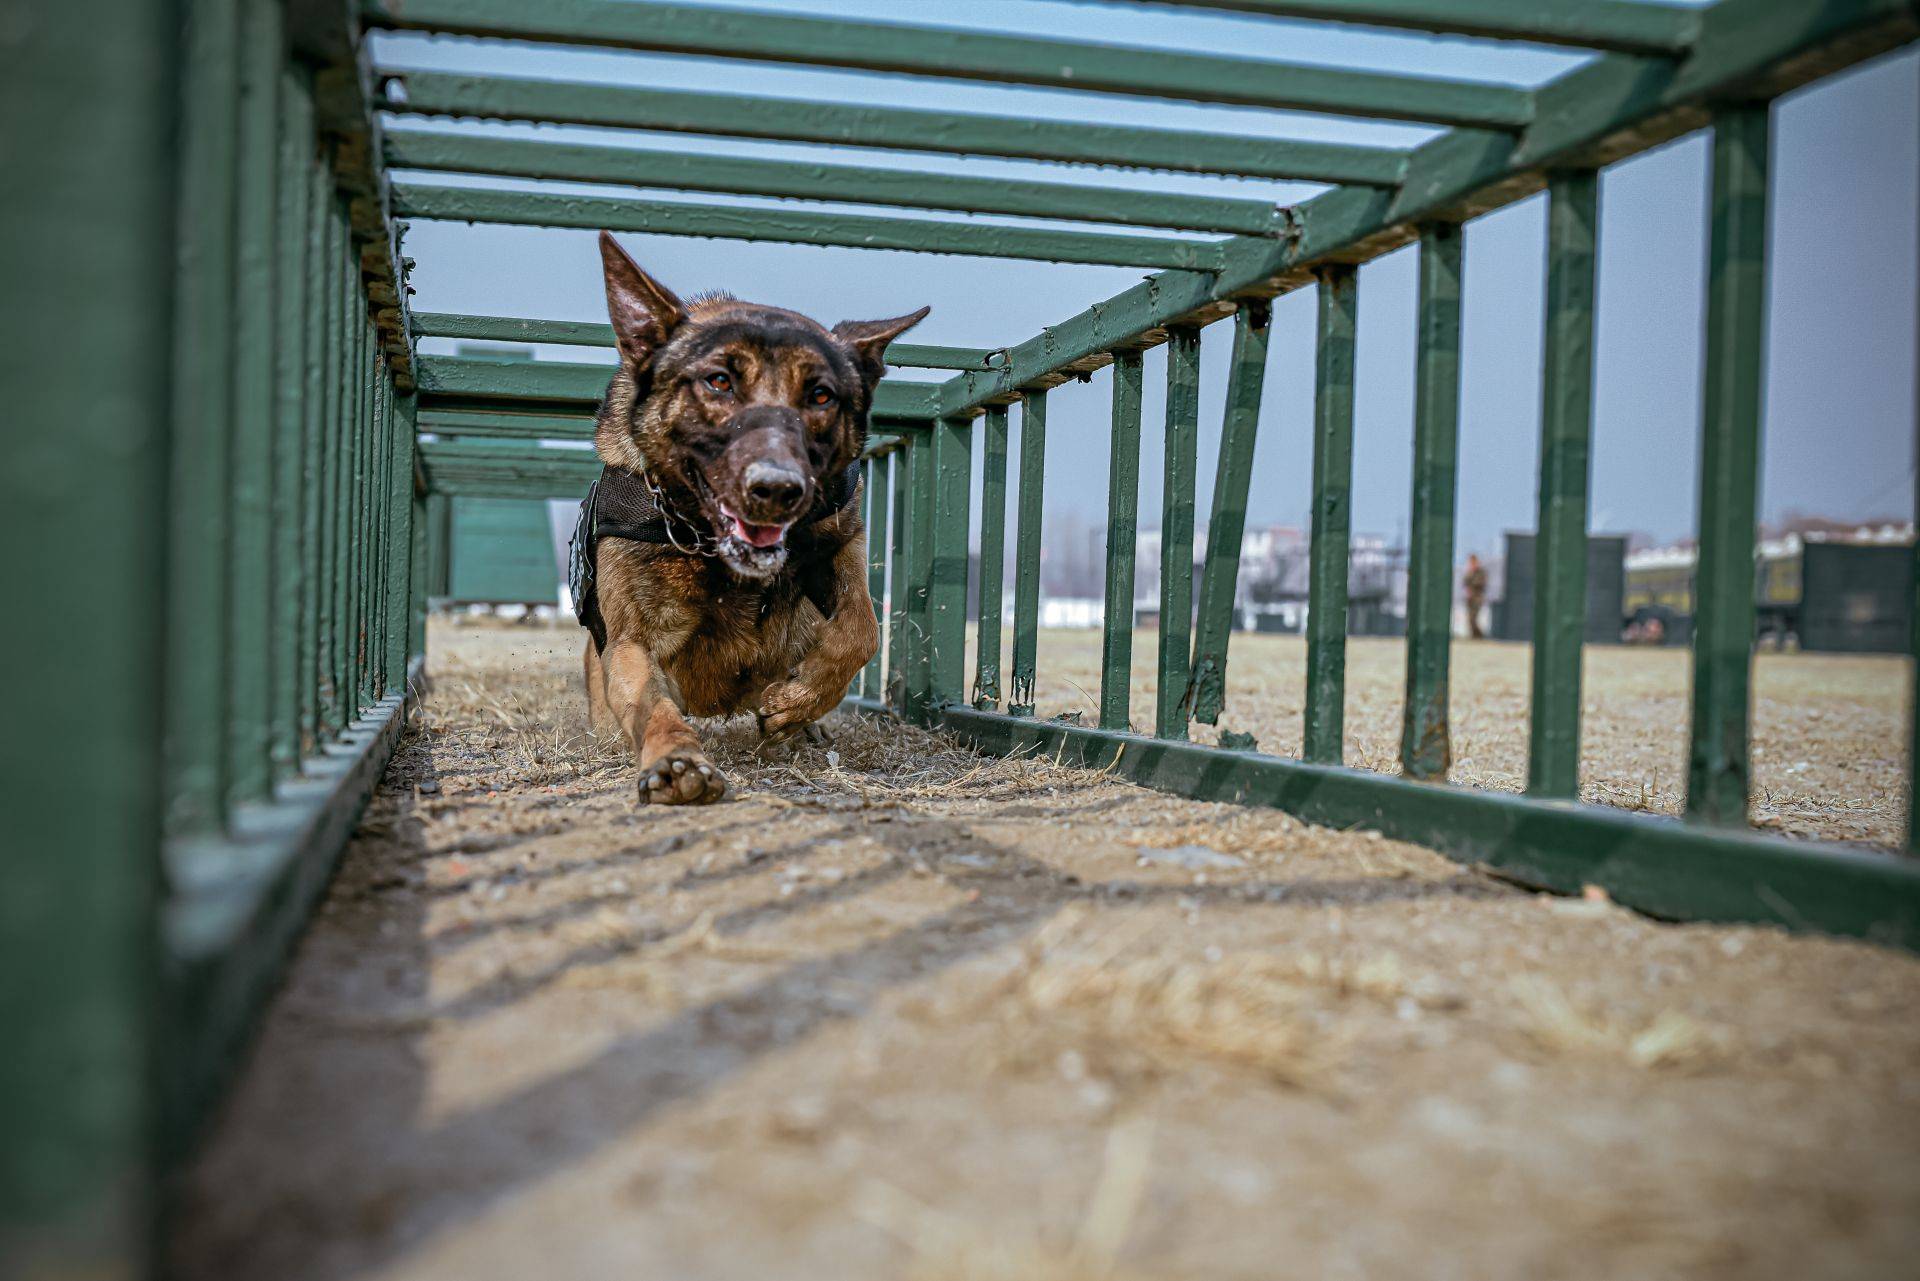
[
  {"x": 1329, "y": 545},
  {"x": 799, "y": 227},
  {"x": 993, "y": 558},
  {"x": 1026, "y": 553},
  {"x": 88, "y": 248},
  {"x": 481, "y": 425},
  {"x": 570, "y": 389},
  {"x": 1176, "y": 532},
  {"x": 1669, "y": 869},
  {"x": 1566, "y": 441},
  {"x": 846, "y": 124},
  {"x": 1604, "y": 110},
  {"x": 1426, "y": 737},
  {"x": 1227, "y": 522},
  {"x": 1621, "y": 26},
  {"x": 1718, "y": 768},
  {"x": 668, "y": 169},
  {"x": 1123, "y": 536},
  {"x": 586, "y": 333},
  {"x": 901, "y": 48}
]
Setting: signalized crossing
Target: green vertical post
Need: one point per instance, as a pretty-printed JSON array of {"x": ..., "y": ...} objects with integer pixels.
[
  {"x": 367, "y": 525},
  {"x": 395, "y": 628},
  {"x": 87, "y": 250},
  {"x": 318, "y": 309},
  {"x": 952, "y": 461},
  {"x": 993, "y": 559},
  {"x": 1566, "y": 433},
  {"x": 421, "y": 574},
  {"x": 876, "y": 490},
  {"x": 1176, "y": 530},
  {"x": 919, "y": 577},
  {"x": 1717, "y": 774},
  {"x": 340, "y": 653},
  {"x": 898, "y": 592},
  {"x": 1123, "y": 533},
  {"x": 291, "y": 331},
  {"x": 1329, "y": 540},
  {"x": 333, "y": 462},
  {"x": 1913, "y": 678},
  {"x": 202, "y": 418},
  {"x": 380, "y": 532},
  {"x": 1227, "y": 521},
  {"x": 250, "y": 572},
  {"x": 1026, "y": 553},
  {"x": 1426, "y": 746},
  {"x": 439, "y": 544}
]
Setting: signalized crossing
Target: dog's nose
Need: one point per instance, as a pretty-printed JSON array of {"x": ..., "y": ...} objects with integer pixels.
[{"x": 773, "y": 485}]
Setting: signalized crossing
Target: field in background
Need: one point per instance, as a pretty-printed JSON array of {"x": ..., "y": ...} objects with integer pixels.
[{"x": 1830, "y": 732}]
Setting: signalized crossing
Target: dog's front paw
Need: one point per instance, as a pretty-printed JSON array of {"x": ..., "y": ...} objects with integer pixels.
[
  {"x": 787, "y": 709},
  {"x": 681, "y": 777}
]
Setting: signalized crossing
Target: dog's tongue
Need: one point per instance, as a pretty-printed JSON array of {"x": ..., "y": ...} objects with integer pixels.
[{"x": 757, "y": 535}]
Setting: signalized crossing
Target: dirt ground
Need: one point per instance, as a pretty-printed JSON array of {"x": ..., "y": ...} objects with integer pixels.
[
  {"x": 898, "y": 1011},
  {"x": 1829, "y": 730}
]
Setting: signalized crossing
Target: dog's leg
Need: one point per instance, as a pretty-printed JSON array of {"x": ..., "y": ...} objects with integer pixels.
[
  {"x": 841, "y": 647},
  {"x": 598, "y": 713},
  {"x": 673, "y": 769}
]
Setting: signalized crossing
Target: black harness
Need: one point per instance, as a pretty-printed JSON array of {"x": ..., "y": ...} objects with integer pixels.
[{"x": 623, "y": 504}]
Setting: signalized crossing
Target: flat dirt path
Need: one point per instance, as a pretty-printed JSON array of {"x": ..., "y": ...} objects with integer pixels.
[{"x": 898, "y": 1011}]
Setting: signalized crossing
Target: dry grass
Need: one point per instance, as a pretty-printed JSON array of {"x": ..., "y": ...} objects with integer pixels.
[
  {"x": 1829, "y": 751},
  {"x": 948, "y": 1247},
  {"x": 1555, "y": 1024},
  {"x": 1126, "y": 1010}
]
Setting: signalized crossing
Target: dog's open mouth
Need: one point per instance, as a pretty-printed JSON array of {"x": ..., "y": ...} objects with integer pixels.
[
  {"x": 756, "y": 536},
  {"x": 754, "y": 550}
]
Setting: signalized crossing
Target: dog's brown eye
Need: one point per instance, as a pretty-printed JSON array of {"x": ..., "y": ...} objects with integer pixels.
[
  {"x": 720, "y": 382},
  {"x": 820, "y": 397}
]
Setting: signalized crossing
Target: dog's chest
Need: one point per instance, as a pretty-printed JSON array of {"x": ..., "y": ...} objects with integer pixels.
[{"x": 739, "y": 644}]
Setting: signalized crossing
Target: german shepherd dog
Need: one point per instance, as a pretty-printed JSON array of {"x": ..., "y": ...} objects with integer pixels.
[{"x": 744, "y": 586}]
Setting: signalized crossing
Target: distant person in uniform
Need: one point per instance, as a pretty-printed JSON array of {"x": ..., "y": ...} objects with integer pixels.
[{"x": 1474, "y": 583}]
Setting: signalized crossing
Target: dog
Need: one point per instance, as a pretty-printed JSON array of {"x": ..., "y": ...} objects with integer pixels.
[{"x": 720, "y": 562}]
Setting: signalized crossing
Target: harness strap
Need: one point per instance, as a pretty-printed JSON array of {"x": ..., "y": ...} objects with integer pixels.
[{"x": 621, "y": 504}]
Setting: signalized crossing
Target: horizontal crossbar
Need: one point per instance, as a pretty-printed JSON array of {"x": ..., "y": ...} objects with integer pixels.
[
  {"x": 675, "y": 170},
  {"x": 728, "y": 115},
  {"x": 1613, "y": 107},
  {"x": 479, "y": 424},
  {"x": 586, "y": 333},
  {"x": 657, "y": 27},
  {"x": 1618, "y": 26},
  {"x": 573, "y": 389},
  {"x": 796, "y": 227},
  {"x": 1656, "y": 865}
]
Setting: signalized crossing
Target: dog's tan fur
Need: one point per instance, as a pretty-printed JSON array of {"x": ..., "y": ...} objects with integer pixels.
[{"x": 685, "y": 633}]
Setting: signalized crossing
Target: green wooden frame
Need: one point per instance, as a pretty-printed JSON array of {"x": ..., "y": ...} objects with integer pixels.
[{"x": 280, "y": 461}]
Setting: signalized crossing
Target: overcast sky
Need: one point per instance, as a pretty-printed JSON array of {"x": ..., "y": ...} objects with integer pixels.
[{"x": 1840, "y": 396}]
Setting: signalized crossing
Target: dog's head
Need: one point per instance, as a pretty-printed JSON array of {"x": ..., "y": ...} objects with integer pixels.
[{"x": 742, "y": 414}]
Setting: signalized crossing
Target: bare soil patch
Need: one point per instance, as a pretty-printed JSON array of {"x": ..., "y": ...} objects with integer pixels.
[{"x": 899, "y": 1011}]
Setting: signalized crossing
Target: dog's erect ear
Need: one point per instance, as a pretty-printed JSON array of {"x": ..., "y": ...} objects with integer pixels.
[
  {"x": 644, "y": 312},
  {"x": 869, "y": 339}
]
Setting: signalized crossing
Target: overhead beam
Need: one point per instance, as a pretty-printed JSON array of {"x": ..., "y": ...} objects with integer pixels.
[
  {"x": 654, "y": 26},
  {"x": 587, "y": 333},
  {"x": 671, "y": 169},
  {"x": 799, "y": 227},
  {"x": 1610, "y": 108},
  {"x": 1616, "y": 26},
  {"x": 438, "y": 93},
  {"x": 574, "y": 389}
]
